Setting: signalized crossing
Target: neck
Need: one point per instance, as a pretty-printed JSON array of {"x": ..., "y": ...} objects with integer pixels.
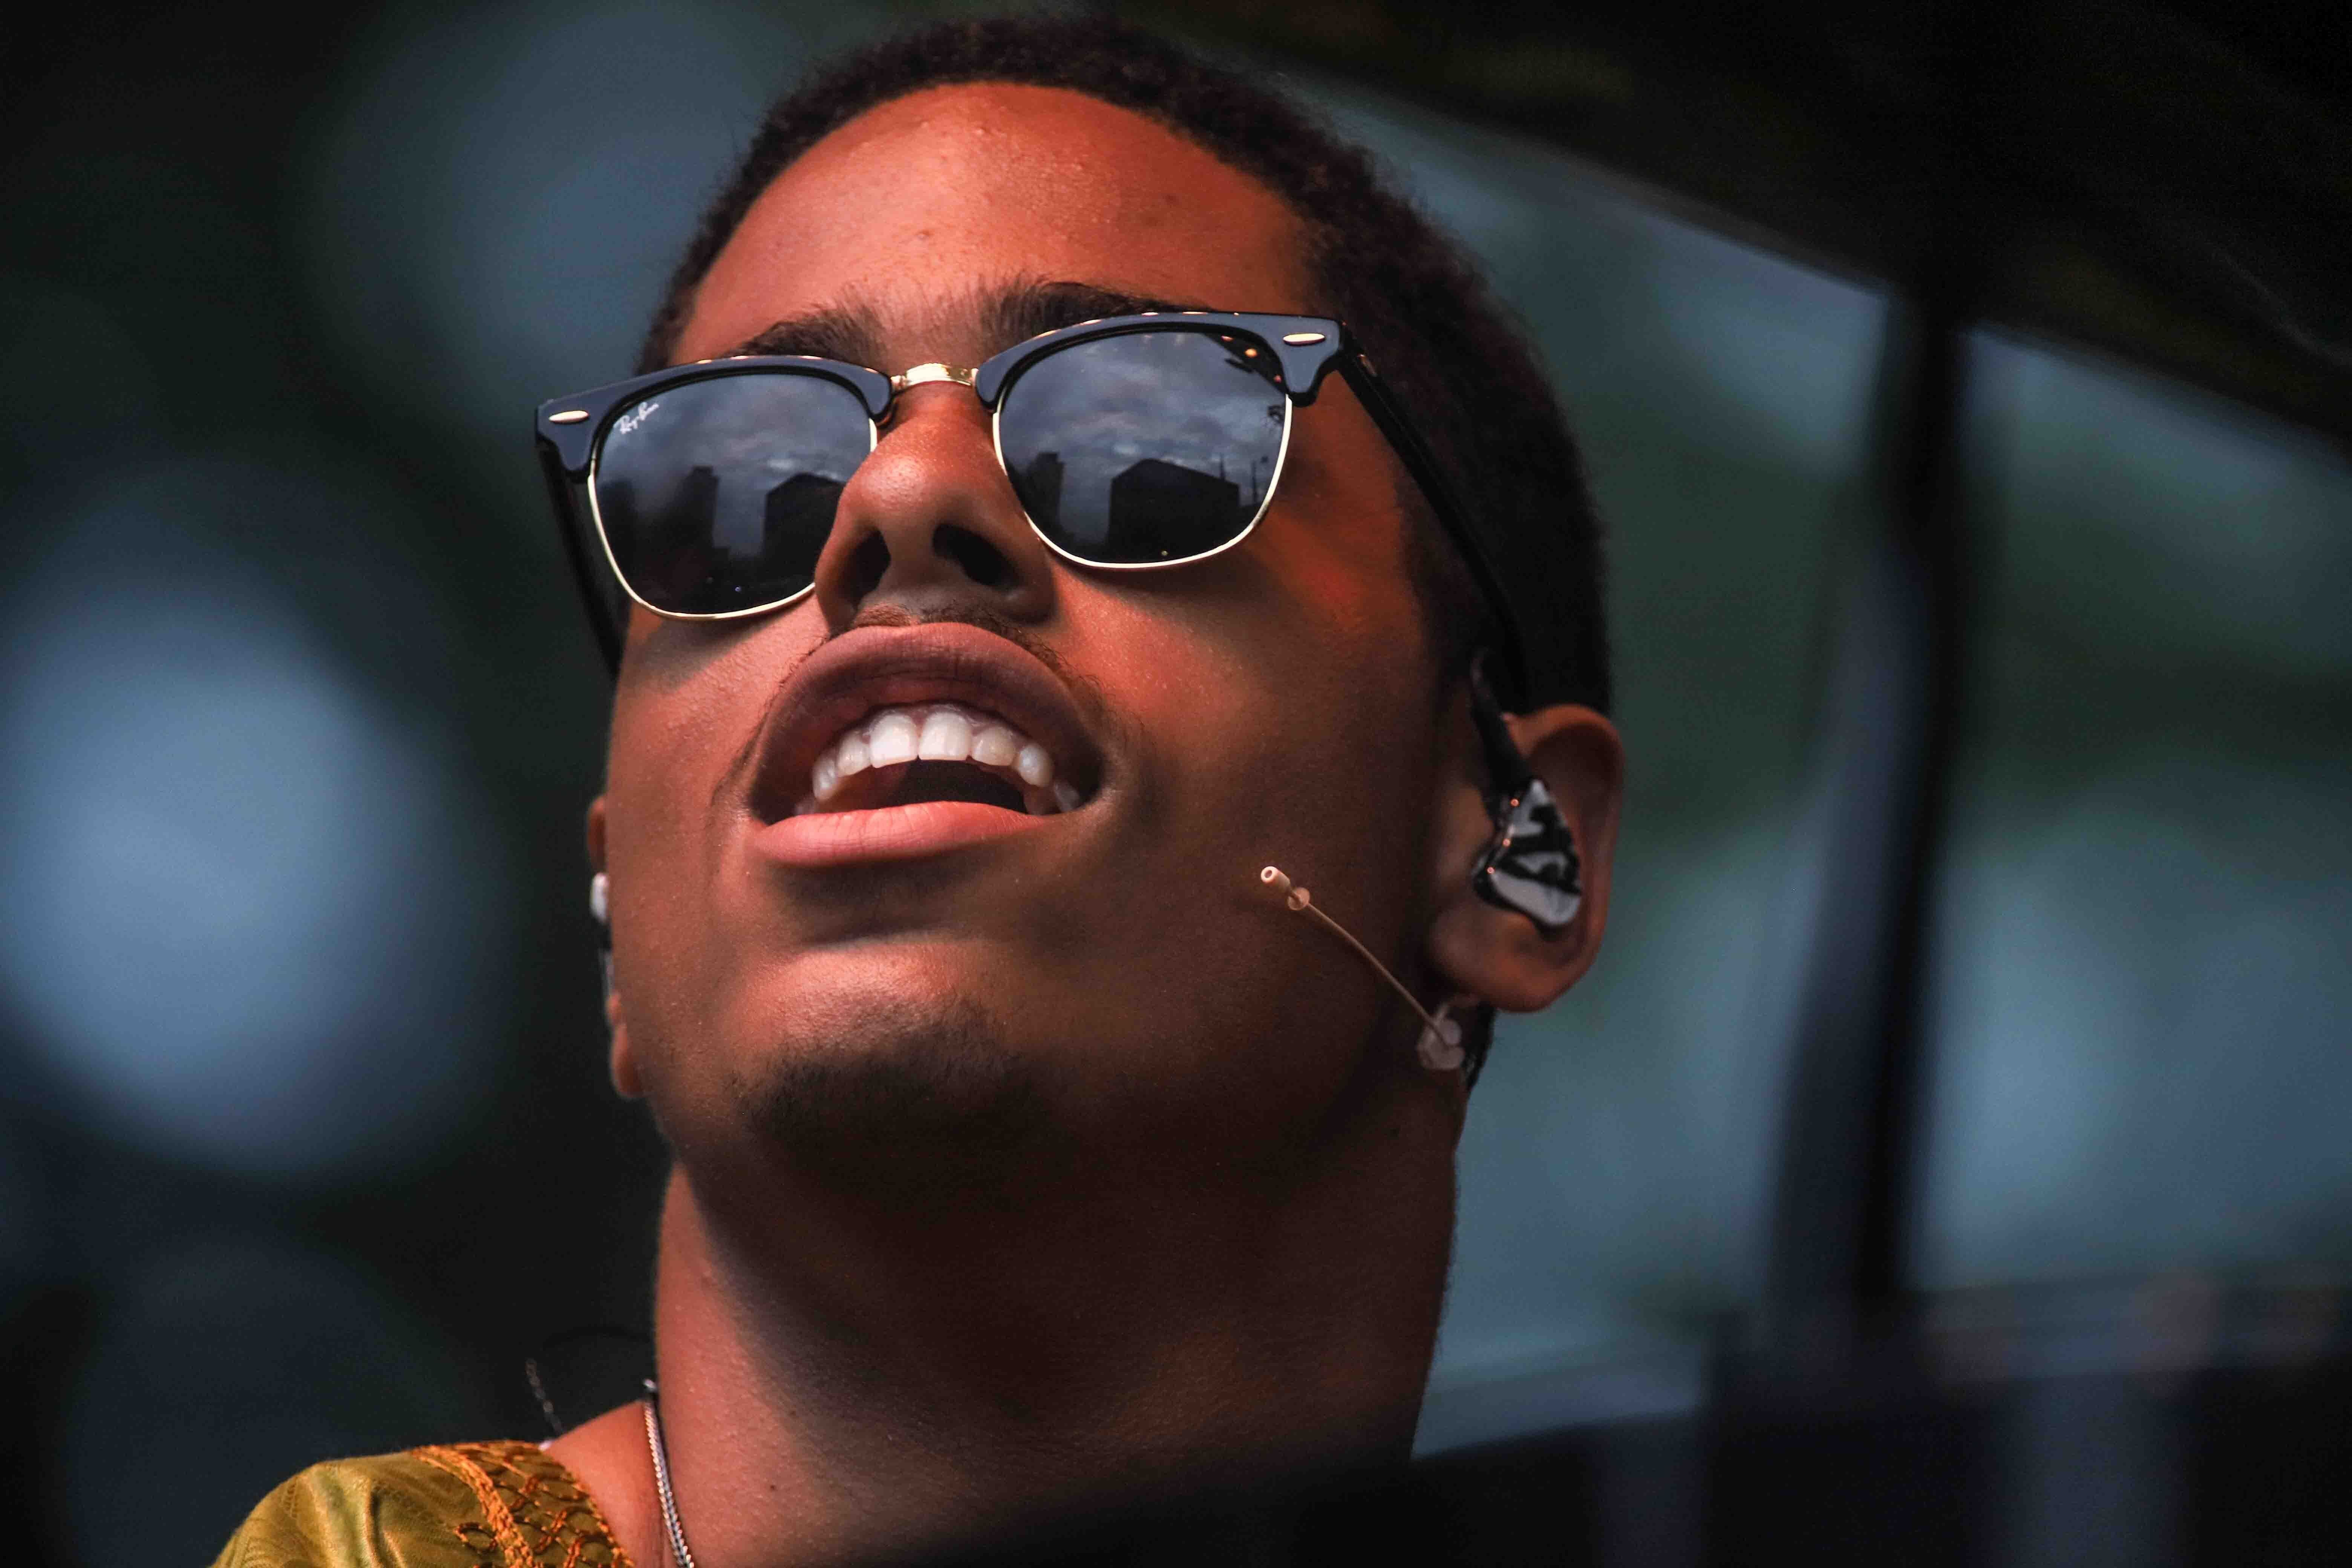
[{"x": 844, "y": 1380}]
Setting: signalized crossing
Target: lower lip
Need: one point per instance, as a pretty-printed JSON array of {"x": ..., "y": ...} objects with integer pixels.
[{"x": 891, "y": 833}]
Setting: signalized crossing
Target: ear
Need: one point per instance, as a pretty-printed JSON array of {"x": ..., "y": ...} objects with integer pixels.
[
  {"x": 620, "y": 1062},
  {"x": 1491, "y": 953}
]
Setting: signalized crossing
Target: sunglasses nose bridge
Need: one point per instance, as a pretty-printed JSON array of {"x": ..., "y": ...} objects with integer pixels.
[
  {"x": 930, "y": 520},
  {"x": 919, "y": 375},
  {"x": 926, "y": 374}
]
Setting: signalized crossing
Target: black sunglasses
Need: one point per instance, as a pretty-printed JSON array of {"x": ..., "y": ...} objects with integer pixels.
[{"x": 1134, "y": 442}]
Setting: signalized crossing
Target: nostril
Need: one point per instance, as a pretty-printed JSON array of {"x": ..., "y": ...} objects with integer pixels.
[
  {"x": 982, "y": 561},
  {"x": 867, "y": 562}
]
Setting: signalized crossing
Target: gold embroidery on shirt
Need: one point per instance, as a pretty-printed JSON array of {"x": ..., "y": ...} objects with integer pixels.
[{"x": 535, "y": 1513}]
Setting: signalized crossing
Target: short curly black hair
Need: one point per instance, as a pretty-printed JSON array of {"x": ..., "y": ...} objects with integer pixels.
[{"x": 1419, "y": 306}]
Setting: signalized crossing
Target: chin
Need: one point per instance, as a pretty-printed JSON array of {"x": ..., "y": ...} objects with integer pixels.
[{"x": 901, "y": 1097}]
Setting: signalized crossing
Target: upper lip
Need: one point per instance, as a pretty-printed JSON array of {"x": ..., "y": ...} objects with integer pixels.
[{"x": 882, "y": 667}]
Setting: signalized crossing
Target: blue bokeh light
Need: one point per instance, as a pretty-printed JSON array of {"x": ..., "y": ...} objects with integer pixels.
[{"x": 243, "y": 908}]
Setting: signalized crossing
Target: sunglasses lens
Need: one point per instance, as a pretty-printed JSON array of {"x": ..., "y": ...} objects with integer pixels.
[
  {"x": 718, "y": 495},
  {"x": 1145, "y": 447}
]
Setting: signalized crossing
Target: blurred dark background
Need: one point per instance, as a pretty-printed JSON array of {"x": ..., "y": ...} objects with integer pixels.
[{"x": 1948, "y": 1157}]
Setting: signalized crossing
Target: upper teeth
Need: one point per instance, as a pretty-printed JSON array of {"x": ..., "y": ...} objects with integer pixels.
[{"x": 937, "y": 732}]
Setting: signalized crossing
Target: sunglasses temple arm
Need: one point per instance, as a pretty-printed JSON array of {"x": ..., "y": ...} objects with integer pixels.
[
  {"x": 1365, "y": 382},
  {"x": 568, "y": 501}
]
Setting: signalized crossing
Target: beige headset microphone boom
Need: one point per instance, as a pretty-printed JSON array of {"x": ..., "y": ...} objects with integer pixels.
[{"x": 1440, "y": 1045}]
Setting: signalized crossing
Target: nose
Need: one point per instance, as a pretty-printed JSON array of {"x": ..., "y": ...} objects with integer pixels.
[{"x": 929, "y": 523}]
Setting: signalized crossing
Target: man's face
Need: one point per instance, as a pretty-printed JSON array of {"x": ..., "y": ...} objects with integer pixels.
[{"x": 1113, "y": 970}]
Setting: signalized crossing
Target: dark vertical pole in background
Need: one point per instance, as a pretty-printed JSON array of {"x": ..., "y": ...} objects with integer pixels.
[
  {"x": 1925, "y": 380},
  {"x": 1841, "y": 1246}
]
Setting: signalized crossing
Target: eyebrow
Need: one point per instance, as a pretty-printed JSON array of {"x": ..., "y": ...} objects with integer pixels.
[
  {"x": 1030, "y": 309},
  {"x": 849, "y": 334},
  {"x": 1006, "y": 315}
]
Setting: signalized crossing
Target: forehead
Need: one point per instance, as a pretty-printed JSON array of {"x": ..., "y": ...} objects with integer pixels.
[{"x": 924, "y": 201}]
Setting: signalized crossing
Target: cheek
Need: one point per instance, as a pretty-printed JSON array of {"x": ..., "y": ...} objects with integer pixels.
[
  {"x": 690, "y": 697},
  {"x": 1336, "y": 537},
  {"x": 1352, "y": 593},
  {"x": 1285, "y": 701},
  {"x": 691, "y": 700}
]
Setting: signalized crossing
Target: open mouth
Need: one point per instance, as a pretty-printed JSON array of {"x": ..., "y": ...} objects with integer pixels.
[
  {"x": 908, "y": 753},
  {"x": 900, "y": 742}
]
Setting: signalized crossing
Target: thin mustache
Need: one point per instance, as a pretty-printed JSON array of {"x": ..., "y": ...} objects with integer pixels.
[{"x": 989, "y": 621}]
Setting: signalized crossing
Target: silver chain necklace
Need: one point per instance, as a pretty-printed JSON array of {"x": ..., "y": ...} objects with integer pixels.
[{"x": 678, "y": 1552}]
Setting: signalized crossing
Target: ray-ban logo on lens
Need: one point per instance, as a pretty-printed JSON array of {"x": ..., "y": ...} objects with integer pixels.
[{"x": 633, "y": 417}]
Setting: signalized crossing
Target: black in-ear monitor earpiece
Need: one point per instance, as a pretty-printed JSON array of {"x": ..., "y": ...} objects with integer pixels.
[{"x": 1530, "y": 867}]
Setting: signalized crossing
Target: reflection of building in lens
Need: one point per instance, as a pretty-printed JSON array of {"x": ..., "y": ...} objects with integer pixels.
[
  {"x": 1041, "y": 488},
  {"x": 675, "y": 547},
  {"x": 694, "y": 503},
  {"x": 799, "y": 515},
  {"x": 1160, "y": 508},
  {"x": 616, "y": 503}
]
